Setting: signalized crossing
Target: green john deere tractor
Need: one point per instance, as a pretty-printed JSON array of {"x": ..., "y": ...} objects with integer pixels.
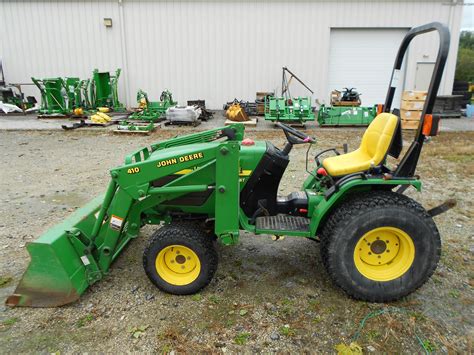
[{"x": 376, "y": 243}]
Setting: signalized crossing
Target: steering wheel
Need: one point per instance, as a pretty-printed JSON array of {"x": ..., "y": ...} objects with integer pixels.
[{"x": 294, "y": 136}]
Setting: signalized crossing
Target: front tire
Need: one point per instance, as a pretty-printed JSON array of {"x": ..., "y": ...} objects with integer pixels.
[
  {"x": 380, "y": 246},
  {"x": 180, "y": 259}
]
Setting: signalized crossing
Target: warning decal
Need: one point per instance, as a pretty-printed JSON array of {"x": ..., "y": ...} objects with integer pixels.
[{"x": 116, "y": 222}]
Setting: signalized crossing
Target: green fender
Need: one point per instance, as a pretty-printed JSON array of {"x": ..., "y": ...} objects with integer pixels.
[{"x": 327, "y": 205}]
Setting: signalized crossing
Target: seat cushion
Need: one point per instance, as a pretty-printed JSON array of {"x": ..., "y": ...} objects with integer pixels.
[
  {"x": 372, "y": 151},
  {"x": 349, "y": 163}
]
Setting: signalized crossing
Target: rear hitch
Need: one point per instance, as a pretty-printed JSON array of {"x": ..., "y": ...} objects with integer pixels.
[{"x": 445, "y": 206}]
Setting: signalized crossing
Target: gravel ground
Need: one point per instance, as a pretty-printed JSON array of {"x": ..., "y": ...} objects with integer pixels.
[{"x": 267, "y": 295}]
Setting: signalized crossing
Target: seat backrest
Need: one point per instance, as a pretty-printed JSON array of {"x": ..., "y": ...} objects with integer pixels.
[{"x": 378, "y": 136}]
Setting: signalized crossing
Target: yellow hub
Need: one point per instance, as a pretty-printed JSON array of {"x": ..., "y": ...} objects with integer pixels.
[
  {"x": 384, "y": 254},
  {"x": 178, "y": 265}
]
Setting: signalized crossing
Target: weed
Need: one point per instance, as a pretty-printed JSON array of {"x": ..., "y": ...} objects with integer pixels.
[
  {"x": 242, "y": 338},
  {"x": 286, "y": 311},
  {"x": 214, "y": 299},
  {"x": 197, "y": 297},
  {"x": 314, "y": 303},
  {"x": 84, "y": 320},
  {"x": 243, "y": 312},
  {"x": 287, "y": 302},
  {"x": 139, "y": 331},
  {"x": 429, "y": 346},
  {"x": 454, "y": 293},
  {"x": 418, "y": 316},
  {"x": 437, "y": 280},
  {"x": 287, "y": 331},
  {"x": 166, "y": 349},
  {"x": 9, "y": 322},
  {"x": 372, "y": 335},
  {"x": 4, "y": 280},
  {"x": 229, "y": 323}
]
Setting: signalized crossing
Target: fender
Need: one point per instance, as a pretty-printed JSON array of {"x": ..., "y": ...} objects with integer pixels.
[{"x": 354, "y": 182}]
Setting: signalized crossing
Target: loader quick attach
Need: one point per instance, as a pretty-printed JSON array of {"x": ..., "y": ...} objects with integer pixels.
[{"x": 376, "y": 243}]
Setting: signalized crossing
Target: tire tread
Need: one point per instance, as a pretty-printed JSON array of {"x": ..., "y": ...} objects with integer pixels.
[
  {"x": 354, "y": 206},
  {"x": 184, "y": 230}
]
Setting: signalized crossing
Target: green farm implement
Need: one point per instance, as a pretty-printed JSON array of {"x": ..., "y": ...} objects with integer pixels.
[
  {"x": 292, "y": 110},
  {"x": 152, "y": 111},
  {"x": 149, "y": 113},
  {"x": 135, "y": 127},
  {"x": 377, "y": 244},
  {"x": 347, "y": 115},
  {"x": 12, "y": 94},
  {"x": 60, "y": 96},
  {"x": 104, "y": 90},
  {"x": 67, "y": 96},
  {"x": 286, "y": 108}
]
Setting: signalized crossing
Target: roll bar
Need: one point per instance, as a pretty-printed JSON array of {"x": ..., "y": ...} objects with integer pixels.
[{"x": 408, "y": 164}]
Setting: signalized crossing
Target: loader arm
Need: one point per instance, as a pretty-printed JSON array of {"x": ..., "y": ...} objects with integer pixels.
[{"x": 78, "y": 252}]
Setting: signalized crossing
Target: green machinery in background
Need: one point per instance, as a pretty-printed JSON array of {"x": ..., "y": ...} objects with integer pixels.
[
  {"x": 104, "y": 90},
  {"x": 292, "y": 110},
  {"x": 63, "y": 96},
  {"x": 54, "y": 96},
  {"x": 153, "y": 111},
  {"x": 286, "y": 108},
  {"x": 346, "y": 110},
  {"x": 11, "y": 93},
  {"x": 149, "y": 113},
  {"x": 347, "y": 115}
]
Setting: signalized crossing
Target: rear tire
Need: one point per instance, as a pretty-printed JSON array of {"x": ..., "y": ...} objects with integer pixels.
[
  {"x": 380, "y": 246},
  {"x": 180, "y": 259}
]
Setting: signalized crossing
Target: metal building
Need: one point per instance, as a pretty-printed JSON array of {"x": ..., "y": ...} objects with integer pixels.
[{"x": 221, "y": 50}]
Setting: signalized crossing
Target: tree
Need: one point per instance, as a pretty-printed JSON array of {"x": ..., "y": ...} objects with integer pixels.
[{"x": 465, "y": 63}]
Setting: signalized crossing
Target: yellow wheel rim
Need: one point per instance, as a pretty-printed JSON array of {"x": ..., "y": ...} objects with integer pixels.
[
  {"x": 384, "y": 254},
  {"x": 178, "y": 265}
]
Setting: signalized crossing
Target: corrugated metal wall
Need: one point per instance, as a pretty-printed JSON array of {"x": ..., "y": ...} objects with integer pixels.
[{"x": 213, "y": 50}]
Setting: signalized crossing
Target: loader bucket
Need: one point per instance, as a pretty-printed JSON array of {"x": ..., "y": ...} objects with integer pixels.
[
  {"x": 56, "y": 274},
  {"x": 236, "y": 113}
]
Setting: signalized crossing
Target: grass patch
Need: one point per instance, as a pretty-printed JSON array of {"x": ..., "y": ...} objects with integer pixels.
[
  {"x": 287, "y": 331},
  {"x": 459, "y": 158},
  {"x": 229, "y": 323},
  {"x": 197, "y": 297},
  {"x": 373, "y": 335},
  {"x": 5, "y": 280},
  {"x": 242, "y": 338},
  {"x": 454, "y": 293},
  {"x": 83, "y": 321},
  {"x": 166, "y": 349},
  {"x": 429, "y": 346},
  {"x": 9, "y": 322},
  {"x": 214, "y": 299}
]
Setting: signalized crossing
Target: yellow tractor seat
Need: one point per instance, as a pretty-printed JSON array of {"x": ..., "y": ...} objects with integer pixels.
[{"x": 373, "y": 149}]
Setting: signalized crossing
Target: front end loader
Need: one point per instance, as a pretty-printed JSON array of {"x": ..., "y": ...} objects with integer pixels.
[{"x": 376, "y": 243}]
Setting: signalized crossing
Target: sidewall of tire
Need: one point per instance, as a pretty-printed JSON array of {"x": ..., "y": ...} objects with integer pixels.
[
  {"x": 341, "y": 253},
  {"x": 205, "y": 252}
]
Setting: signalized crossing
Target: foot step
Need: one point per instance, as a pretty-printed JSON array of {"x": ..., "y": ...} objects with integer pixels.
[{"x": 283, "y": 222}]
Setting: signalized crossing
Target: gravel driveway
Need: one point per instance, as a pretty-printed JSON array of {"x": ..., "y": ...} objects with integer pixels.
[{"x": 266, "y": 296}]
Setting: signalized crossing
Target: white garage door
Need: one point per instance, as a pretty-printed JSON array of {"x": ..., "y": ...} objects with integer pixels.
[{"x": 363, "y": 58}]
